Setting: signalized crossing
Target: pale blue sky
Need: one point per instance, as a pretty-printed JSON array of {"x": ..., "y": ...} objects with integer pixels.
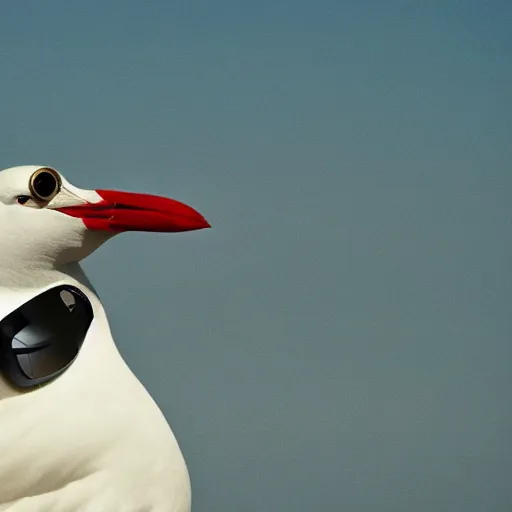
[{"x": 341, "y": 338}]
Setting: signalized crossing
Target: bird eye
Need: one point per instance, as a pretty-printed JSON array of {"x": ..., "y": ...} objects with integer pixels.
[
  {"x": 22, "y": 199},
  {"x": 45, "y": 184}
]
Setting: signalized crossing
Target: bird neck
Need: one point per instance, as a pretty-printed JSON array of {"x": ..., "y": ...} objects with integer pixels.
[{"x": 14, "y": 279}]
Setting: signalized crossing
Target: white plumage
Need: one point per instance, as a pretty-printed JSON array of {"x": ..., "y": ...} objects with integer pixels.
[{"x": 92, "y": 440}]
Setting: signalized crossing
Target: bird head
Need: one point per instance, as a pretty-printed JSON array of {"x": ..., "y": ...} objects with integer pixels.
[{"x": 45, "y": 221}]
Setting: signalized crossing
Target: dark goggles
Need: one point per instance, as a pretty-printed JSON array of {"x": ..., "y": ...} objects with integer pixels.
[{"x": 40, "y": 339}]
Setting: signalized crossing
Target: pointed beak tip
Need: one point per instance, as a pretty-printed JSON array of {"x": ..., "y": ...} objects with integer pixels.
[{"x": 196, "y": 225}]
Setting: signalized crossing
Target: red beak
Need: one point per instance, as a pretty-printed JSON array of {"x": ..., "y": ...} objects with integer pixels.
[{"x": 126, "y": 211}]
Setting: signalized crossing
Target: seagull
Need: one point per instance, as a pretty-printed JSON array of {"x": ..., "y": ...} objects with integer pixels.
[{"x": 91, "y": 439}]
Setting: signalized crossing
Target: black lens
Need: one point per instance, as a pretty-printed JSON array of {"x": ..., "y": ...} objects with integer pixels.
[
  {"x": 42, "y": 353},
  {"x": 45, "y": 184},
  {"x": 43, "y": 337}
]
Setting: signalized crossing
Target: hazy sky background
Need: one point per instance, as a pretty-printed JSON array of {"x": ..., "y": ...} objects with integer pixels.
[{"x": 341, "y": 338}]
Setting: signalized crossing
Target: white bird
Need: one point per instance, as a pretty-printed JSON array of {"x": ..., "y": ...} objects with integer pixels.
[{"x": 92, "y": 439}]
